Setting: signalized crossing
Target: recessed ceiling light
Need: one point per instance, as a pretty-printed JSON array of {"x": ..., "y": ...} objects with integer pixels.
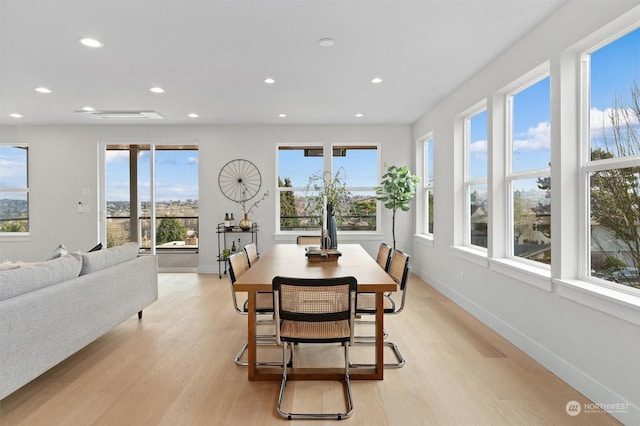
[
  {"x": 193, "y": 115},
  {"x": 326, "y": 42},
  {"x": 15, "y": 115},
  {"x": 90, "y": 42},
  {"x": 42, "y": 90},
  {"x": 157, "y": 89},
  {"x": 376, "y": 80},
  {"x": 269, "y": 80},
  {"x": 359, "y": 115},
  {"x": 282, "y": 115},
  {"x": 88, "y": 108}
]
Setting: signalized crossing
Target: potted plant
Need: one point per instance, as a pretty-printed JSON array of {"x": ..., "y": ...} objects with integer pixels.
[
  {"x": 323, "y": 187},
  {"x": 245, "y": 223},
  {"x": 397, "y": 189}
]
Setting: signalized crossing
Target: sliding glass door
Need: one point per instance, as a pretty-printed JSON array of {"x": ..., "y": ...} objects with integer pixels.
[{"x": 150, "y": 195}]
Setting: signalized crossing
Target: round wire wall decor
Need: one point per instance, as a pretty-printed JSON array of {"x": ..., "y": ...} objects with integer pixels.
[{"x": 239, "y": 179}]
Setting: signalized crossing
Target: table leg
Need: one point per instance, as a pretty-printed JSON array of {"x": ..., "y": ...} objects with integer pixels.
[
  {"x": 251, "y": 335},
  {"x": 379, "y": 371}
]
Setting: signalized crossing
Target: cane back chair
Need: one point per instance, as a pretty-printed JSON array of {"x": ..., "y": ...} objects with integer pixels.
[
  {"x": 308, "y": 240},
  {"x": 238, "y": 265},
  {"x": 399, "y": 271},
  {"x": 314, "y": 310},
  {"x": 252, "y": 253}
]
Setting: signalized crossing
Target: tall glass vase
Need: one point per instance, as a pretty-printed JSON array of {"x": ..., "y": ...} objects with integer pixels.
[{"x": 332, "y": 230}]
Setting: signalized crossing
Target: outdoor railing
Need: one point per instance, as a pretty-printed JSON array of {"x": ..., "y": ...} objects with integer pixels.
[{"x": 118, "y": 231}]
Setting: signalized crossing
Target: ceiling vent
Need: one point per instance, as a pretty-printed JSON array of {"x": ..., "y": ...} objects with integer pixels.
[{"x": 116, "y": 114}]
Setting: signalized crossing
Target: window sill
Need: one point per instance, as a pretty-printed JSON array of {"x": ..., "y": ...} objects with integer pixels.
[
  {"x": 529, "y": 274},
  {"x": 424, "y": 239},
  {"x": 469, "y": 254},
  {"x": 15, "y": 236},
  {"x": 619, "y": 304}
]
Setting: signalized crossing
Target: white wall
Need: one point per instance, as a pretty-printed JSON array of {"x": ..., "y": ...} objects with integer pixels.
[
  {"x": 64, "y": 160},
  {"x": 590, "y": 340}
]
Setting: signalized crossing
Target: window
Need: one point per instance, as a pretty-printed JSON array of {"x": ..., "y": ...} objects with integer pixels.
[
  {"x": 477, "y": 208},
  {"x": 358, "y": 165},
  {"x": 610, "y": 161},
  {"x": 427, "y": 185},
  {"x": 131, "y": 213},
  {"x": 14, "y": 188},
  {"x": 529, "y": 174}
]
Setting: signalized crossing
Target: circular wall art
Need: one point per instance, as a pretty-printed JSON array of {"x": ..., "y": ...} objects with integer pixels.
[{"x": 239, "y": 179}]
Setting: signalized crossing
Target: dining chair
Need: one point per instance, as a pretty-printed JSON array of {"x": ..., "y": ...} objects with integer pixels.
[
  {"x": 314, "y": 310},
  {"x": 252, "y": 253},
  {"x": 308, "y": 240},
  {"x": 399, "y": 271},
  {"x": 238, "y": 265},
  {"x": 384, "y": 256}
]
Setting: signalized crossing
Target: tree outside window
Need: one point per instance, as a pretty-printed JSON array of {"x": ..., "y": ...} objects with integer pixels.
[
  {"x": 356, "y": 164},
  {"x": 529, "y": 175},
  {"x": 612, "y": 168}
]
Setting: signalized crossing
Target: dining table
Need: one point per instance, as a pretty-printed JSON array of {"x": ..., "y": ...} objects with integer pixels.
[{"x": 290, "y": 260}]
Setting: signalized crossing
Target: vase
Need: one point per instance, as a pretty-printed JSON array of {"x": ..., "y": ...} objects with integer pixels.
[
  {"x": 245, "y": 224},
  {"x": 331, "y": 227}
]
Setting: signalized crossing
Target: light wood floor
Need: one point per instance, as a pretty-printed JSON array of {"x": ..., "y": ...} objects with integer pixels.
[{"x": 175, "y": 367}]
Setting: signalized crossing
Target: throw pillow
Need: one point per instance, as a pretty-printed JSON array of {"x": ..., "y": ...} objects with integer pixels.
[
  {"x": 101, "y": 259},
  {"x": 59, "y": 251},
  {"x": 7, "y": 264},
  {"x": 96, "y": 248}
]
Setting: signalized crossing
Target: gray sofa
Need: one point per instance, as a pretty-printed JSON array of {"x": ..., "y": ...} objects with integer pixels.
[{"x": 52, "y": 309}]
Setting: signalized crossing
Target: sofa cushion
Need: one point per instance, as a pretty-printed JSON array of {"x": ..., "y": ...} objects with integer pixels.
[
  {"x": 101, "y": 259},
  {"x": 15, "y": 282}
]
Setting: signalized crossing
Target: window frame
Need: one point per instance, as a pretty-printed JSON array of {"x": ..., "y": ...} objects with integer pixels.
[
  {"x": 470, "y": 182},
  {"x": 422, "y": 213},
  {"x": 533, "y": 77},
  {"x": 12, "y": 236},
  {"x": 327, "y": 166},
  {"x": 587, "y": 166}
]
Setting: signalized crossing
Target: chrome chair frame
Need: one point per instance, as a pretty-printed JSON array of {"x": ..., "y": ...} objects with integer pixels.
[
  {"x": 329, "y": 308},
  {"x": 399, "y": 271},
  {"x": 264, "y": 305}
]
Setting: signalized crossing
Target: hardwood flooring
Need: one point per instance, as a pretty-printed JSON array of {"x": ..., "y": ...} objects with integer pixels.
[{"x": 175, "y": 367}]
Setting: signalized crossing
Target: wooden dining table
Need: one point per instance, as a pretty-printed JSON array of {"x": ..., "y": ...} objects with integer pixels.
[{"x": 290, "y": 260}]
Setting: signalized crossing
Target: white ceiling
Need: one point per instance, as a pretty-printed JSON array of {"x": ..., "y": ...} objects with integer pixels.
[{"x": 212, "y": 57}]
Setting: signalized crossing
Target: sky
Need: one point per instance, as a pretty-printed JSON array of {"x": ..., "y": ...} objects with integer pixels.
[
  {"x": 614, "y": 68},
  {"x": 176, "y": 175},
  {"x": 359, "y": 166}
]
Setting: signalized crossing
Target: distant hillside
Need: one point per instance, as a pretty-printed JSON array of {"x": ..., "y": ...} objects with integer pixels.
[{"x": 13, "y": 209}]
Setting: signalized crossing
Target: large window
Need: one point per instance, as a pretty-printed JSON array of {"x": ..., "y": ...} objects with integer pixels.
[
  {"x": 476, "y": 171},
  {"x": 427, "y": 185},
  {"x": 132, "y": 213},
  {"x": 358, "y": 165},
  {"x": 529, "y": 174},
  {"x": 611, "y": 160},
  {"x": 14, "y": 188}
]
